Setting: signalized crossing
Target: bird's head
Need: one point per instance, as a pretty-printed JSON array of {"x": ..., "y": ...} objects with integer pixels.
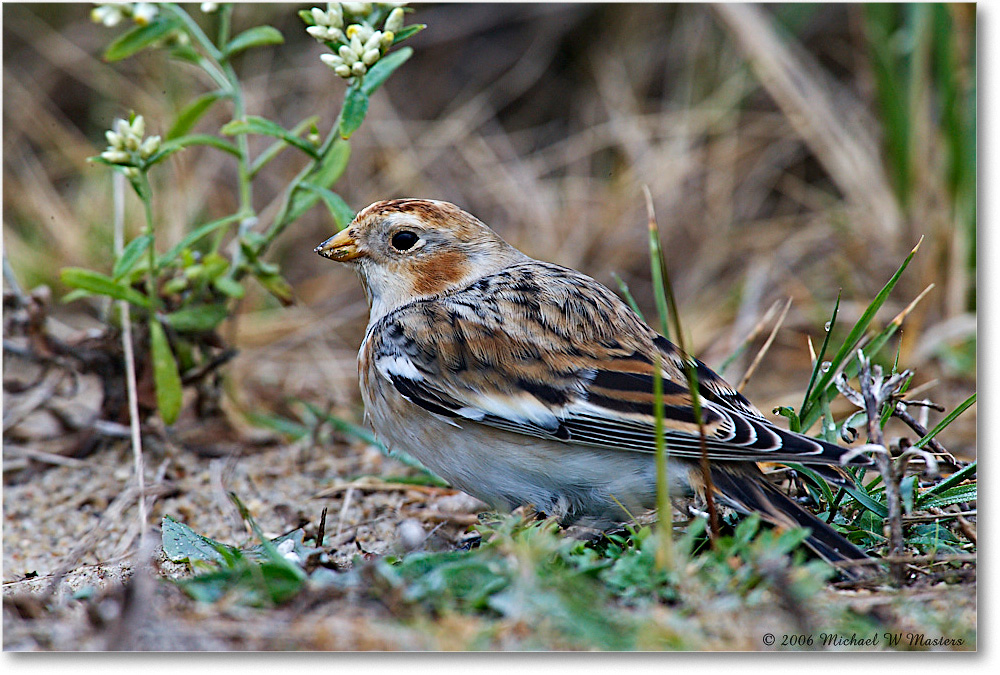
[{"x": 405, "y": 249}]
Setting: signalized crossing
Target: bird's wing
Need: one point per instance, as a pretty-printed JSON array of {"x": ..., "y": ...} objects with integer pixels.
[{"x": 544, "y": 351}]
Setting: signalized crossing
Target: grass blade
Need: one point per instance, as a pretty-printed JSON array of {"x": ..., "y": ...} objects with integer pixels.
[
  {"x": 810, "y": 411},
  {"x": 945, "y": 422},
  {"x": 822, "y": 351}
]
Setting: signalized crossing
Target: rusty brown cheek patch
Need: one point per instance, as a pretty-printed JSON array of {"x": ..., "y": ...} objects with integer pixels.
[{"x": 440, "y": 272}]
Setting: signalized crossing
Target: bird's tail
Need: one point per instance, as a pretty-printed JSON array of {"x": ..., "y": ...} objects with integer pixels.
[{"x": 754, "y": 494}]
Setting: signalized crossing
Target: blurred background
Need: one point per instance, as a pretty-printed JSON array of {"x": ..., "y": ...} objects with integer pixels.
[{"x": 792, "y": 151}]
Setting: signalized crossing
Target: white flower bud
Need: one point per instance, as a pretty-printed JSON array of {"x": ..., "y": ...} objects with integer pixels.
[
  {"x": 318, "y": 32},
  {"x": 132, "y": 172},
  {"x": 371, "y": 56},
  {"x": 348, "y": 54},
  {"x": 394, "y": 22},
  {"x": 149, "y": 147},
  {"x": 144, "y": 12},
  {"x": 360, "y": 31},
  {"x": 359, "y": 68},
  {"x": 343, "y": 71},
  {"x": 209, "y": 7},
  {"x": 116, "y": 156},
  {"x": 132, "y": 142},
  {"x": 114, "y": 140},
  {"x": 331, "y": 60},
  {"x": 357, "y": 46},
  {"x": 122, "y": 127},
  {"x": 138, "y": 126},
  {"x": 387, "y": 39},
  {"x": 109, "y": 15},
  {"x": 334, "y": 15},
  {"x": 319, "y": 17},
  {"x": 357, "y": 8},
  {"x": 373, "y": 42}
]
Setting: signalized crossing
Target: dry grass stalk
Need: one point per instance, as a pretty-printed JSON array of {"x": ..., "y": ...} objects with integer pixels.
[
  {"x": 837, "y": 131},
  {"x": 764, "y": 348}
]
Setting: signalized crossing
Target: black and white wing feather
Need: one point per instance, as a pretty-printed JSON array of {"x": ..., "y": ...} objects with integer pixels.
[{"x": 545, "y": 351}]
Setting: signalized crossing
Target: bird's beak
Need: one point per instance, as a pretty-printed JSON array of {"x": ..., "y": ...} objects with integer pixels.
[{"x": 340, "y": 247}]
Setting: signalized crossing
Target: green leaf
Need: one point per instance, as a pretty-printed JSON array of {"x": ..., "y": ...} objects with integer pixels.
[
  {"x": 327, "y": 171},
  {"x": 277, "y": 286},
  {"x": 341, "y": 212},
  {"x": 95, "y": 282},
  {"x": 76, "y": 295},
  {"x": 952, "y": 480},
  {"x": 822, "y": 351},
  {"x": 130, "y": 256},
  {"x": 267, "y": 546},
  {"x": 186, "y": 53},
  {"x": 383, "y": 68},
  {"x": 140, "y": 185},
  {"x": 407, "y": 32},
  {"x": 943, "y": 424},
  {"x": 172, "y": 146},
  {"x": 307, "y": 17},
  {"x": 259, "y": 36},
  {"x": 97, "y": 159},
  {"x": 193, "y": 237},
  {"x": 182, "y": 544},
  {"x": 272, "y": 151},
  {"x": 789, "y": 413},
  {"x": 955, "y": 495},
  {"x": 265, "y": 127},
  {"x": 192, "y": 112},
  {"x": 196, "y": 319},
  {"x": 229, "y": 287},
  {"x": 627, "y": 294},
  {"x": 353, "y": 114},
  {"x": 282, "y": 425},
  {"x": 139, "y": 38},
  {"x": 366, "y": 436},
  {"x": 866, "y": 500},
  {"x": 165, "y": 376},
  {"x": 817, "y": 479},
  {"x": 811, "y": 411}
]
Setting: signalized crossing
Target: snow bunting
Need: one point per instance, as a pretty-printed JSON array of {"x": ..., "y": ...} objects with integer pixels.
[{"x": 523, "y": 382}]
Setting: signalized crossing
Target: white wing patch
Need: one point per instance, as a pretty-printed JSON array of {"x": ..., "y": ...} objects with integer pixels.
[
  {"x": 398, "y": 365},
  {"x": 518, "y": 409}
]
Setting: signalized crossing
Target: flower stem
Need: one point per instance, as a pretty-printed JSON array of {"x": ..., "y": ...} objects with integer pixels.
[{"x": 147, "y": 204}]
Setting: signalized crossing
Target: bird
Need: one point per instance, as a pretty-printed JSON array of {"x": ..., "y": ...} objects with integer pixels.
[{"x": 522, "y": 382}]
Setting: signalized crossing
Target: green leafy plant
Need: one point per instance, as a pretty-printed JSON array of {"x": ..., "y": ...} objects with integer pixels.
[{"x": 184, "y": 294}]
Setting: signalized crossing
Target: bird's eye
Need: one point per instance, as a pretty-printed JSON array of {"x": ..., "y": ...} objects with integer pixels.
[{"x": 404, "y": 240}]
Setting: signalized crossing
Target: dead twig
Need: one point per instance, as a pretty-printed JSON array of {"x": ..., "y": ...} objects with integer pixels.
[
  {"x": 321, "y": 533},
  {"x": 764, "y": 348},
  {"x": 899, "y": 411},
  {"x": 967, "y": 528},
  {"x": 343, "y": 512},
  {"x": 373, "y": 484},
  {"x": 40, "y": 456},
  {"x": 939, "y": 516},
  {"x": 875, "y": 391}
]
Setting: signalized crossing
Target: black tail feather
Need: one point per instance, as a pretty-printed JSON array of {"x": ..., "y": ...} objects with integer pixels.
[{"x": 750, "y": 494}]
